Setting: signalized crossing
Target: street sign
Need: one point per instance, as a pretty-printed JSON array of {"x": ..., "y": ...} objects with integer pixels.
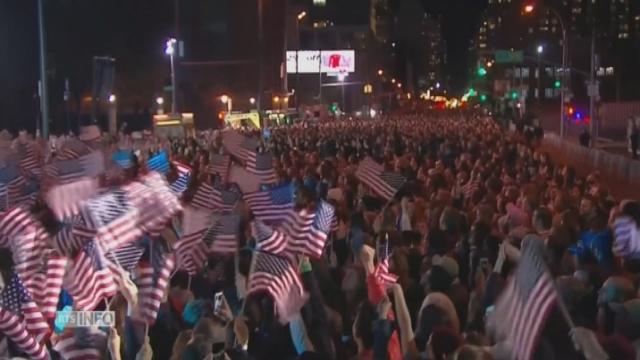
[{"x": 509, "y": 57}]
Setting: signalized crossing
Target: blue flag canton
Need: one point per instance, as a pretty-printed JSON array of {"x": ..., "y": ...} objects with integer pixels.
[
  {"x": 95, "y": 255},
  {"x": 325, "y": 214},
  {"x": 108, "y": 208},
  {"x": 282, "y": 195},
  {"x": 14, "y": 295},
  {"x": 123, "y": 158},
  {"x": 159, "y": 163},
  {"x": 261, "y": 231}
]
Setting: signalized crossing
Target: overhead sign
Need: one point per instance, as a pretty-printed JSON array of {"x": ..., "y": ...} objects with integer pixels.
[
  {"x": 326, "y": 61},
  {"x": 509, "y": 57},
  {"x": 338, "y": 61}
]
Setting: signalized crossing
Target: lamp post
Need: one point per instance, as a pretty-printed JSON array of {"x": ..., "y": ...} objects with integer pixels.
[
  {"x": 170, "y": 50},
  {"x": 43, "y": 90},
  {"x": 540, "y": 50},
  {"x": 565, "y": 52},
  {"x": 342, "y": 77},
  {"x": 225, "y": 99}
]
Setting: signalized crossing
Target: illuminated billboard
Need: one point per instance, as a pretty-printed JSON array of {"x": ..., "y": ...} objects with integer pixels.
[
  {"x": 327, "y": 61},
  {"x": 338, "y": 61}
]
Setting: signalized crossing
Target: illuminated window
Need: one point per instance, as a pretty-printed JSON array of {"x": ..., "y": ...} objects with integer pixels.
[
  {"x": 319, "y": 2},
  {"x": 609, "y": 71}
]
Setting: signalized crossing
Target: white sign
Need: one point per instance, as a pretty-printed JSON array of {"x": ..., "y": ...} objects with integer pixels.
[
  {"x": 292, "y": 62},
  {"x": 338, "y": 61},
  {"x": 327, "y": 61},
  {"x": 309, "y": 62}
]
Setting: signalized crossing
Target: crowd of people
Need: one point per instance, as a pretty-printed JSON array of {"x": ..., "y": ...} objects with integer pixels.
[{"x": 420, "y": 275}]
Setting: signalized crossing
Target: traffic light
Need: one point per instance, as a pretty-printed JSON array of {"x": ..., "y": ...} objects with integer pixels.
[
  {"x": 557, "y": 84},
  {"x": 514, "y": 95},
  {"x": 482, "y": 71},
  {"x": 483, "y": 98},
  {"x": 333, "y": 108}
]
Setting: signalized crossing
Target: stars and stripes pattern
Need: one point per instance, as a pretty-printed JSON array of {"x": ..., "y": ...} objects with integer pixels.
[
  {"x": 203, "y": 197},
  {"x": 65, "y": 240},
  {"x": 381, "y": 271},
  {"x": 271, "y": 205},
  {"x": 92, "y": 278},
  {"x": 73, "y": 149},
  {"x": 182, "y": 182},
  {"x": 111, "y": 219},
  {"x": 276, "y": 276},
  {"x": 308, "y": 230},
  {"x": 262, "y": 166},
  {"x": 127, "y": 256},
  {"x": 269, "y": 239},
  {"x": 384, "y": 183},
  {"x": 46, "y": 284},
  {"x": 26, "y": 237},
  {"x": 21, "y": 320},
  {"x": 4, "y": 197},
  {"x": 239, "y": 145},
  {"x": 626, "y": 242},
  {"x": 222, "y": 236},
  {"x": 14, "y": 189},
  {"x": 219, "y": 164},
  {"x": 28, "y": 163},
  {"x": 159, "y": 163},
  {"x": 66, "y": 200},
  {"x": 82, "y": 343},
  {"x": 153, "y": 280},
  {"x": 155, "y": 202},
  {"x": 527, "y": 300}
]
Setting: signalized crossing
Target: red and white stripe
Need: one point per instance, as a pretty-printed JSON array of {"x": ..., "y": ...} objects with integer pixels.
[{"x": 150, "y": 294}]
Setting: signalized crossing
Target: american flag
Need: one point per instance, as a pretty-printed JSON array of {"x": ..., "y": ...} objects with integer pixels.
[
  {"x": 384, "y": 183},
  {"x": 219, "y": 164},
  {"x": 92, "y": 278},
  {"x": 262, "y": 166},
  {"x": 4, "y": 198},
  {"x": 153, "y": 280},
  {"x": 239, "y": 145},
  {"x": 271, "y": 205},
  {"x": 21, "y": 319},
  {"x": 309, "y": 230},
  {"x": 82, "y": 343},
  {"x": 222, "y": 236},
  {"x": 182, "y": 182},
  {"x": 276, "y": 276},
  {"x": 66, "y": 200},
  {"x": 159, "y": 163},
  {"x": 127, "y": 256},
  {"x": 111, "y": 219},
  {"x": 191, "y": 252},
  {"x": 28, "y": 161},
  {"x": 155, "y": 202},
  {"x": 269, "y": 239},
  {"x": 26, "y": 238},
  {"x": 14, "y": 189},
  {"x": 626, "y": 241},
  {"x": 381, "y": 271},
  {"x": 73, "y": 148},
  {"x": 214, "y": 199},
  {"x": 243, "y": 179},
  {"x": 526, "y": 301},
  {"x": 65, "y": 240},
  {"x": 46, "y": 284}
]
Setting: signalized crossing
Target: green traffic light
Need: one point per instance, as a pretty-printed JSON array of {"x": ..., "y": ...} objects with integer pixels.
[
  {"x": 483, "y": 98},
  {"x": 514, "y": 95},
  {"x": 482, "y": 71},
  {"x": 557, "y": 84}
]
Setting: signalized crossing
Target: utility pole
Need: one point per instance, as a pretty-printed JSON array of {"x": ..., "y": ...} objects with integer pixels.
[
  {"x": 593, "y": 89},
  {"x": 44, "y": 93},
  {"x": 260, "y": 56}
]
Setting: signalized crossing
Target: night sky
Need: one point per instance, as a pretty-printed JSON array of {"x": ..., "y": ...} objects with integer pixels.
[{"x": 133, "y": 32}]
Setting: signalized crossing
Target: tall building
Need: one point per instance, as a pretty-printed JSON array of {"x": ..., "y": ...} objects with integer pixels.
[{"x": 505, "y": 26}]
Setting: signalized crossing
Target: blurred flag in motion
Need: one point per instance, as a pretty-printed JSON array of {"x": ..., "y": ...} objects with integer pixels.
[
  {"x": 309, "y": 230},
  {"x": 381, "y": 271},
  {"x": 262, "y": 166},
  {"x": 222, "y": 236},
  {"x": 219, "y": 164},
  {"x": 271, "y": 205},
  {"x": 92, "y": 279},
  {"x": 159, "y": 163},
  {"x": 82, "y": 343},
  {"x": 384, "y": 183},
  {"x": 269, "y": 239},
  {"x": 240, "y": 146},
  {"x": 153, "y": 280},
  {"x": 182, "y": 182}
]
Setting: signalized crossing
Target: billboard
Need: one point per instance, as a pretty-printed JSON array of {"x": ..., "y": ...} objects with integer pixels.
[
  {"x": 338, "y": 61},
  {"x": 327, "y": 61}
]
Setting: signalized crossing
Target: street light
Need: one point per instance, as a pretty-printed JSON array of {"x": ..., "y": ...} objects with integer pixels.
[
  {"x": 565, "y": 55},
  {"x": 399, "y": 85},
  {"x": 393, "y": 81},
  {"x": 302, "y": 15},
  {"x": 380, "y": 72},
  {"x": 540, "y": 49},
  {"x": 226, "y": 99},
  {"x": 276, "y": 99},
  {"x": 437, "y": 85},
  {"x": 160, "y": 100},
  {"x": 170, "y": 49},
  {"x": 252, "y": 100},
  {"x": 112, "y": 99}
]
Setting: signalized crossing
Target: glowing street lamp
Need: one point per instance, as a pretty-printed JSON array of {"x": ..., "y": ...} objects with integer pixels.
[
  {"x": 252, "y": 100},
  {"x": 380, "y": 72},
  {"x": 112, "y": 99},
  {"x": 302, "y": 15},
  {"x": 160, "y": 100},
  {"x": 540, "y": 49},
  {"x": 226, "y": 99},
  {"x": 529, "y": 8},
  {"x": 399, "y": 85},
  {"x": 393, "y": 81},
  {"x": 170, "y": 49},
  {"x": 276, "y": 99}
]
